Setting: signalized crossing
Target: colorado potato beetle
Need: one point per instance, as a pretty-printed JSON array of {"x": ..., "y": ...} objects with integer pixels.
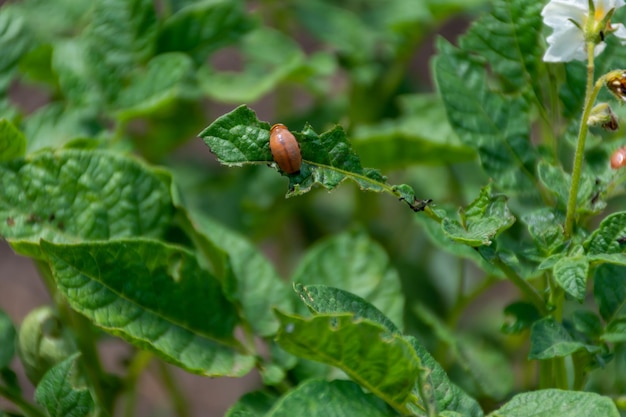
[
  {"x": 618, "y": 159},
  {"x": 285, "y": 149}
]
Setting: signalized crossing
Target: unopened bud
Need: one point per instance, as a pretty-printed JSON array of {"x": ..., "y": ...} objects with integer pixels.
[
  {"x": 602, "y": 115},
  {"x": 616, "y": 83}
]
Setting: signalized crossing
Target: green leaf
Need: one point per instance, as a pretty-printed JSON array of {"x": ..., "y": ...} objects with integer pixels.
[
  {"x": 43, "y": 341},
  {"x": 201, "y": 28},
  {"x": 482, "y": 220},
  {"x": 49, "y": 21},
  {"x": 322, "y": 299},
  {"x": 72, "y": 67},
  {"x": 239, "y": 138},
  {"x": 553, "y": 402},
  {"x": 606, "y": 238},
  {"x": 15, "y": 40},
  {"x": 382, "y": 362},
  {"x": 545, "y": 226},
  {"x": 269, "y": 58},
  {"x": 483, "y": 364},
  {"x": 445, "y": 394},
  {"x": 549, "y": 339},
  {"x": 258, "y": 286},
  {"x": 353, "y": 262},
  {"x": 421, "y": 136},
  {"x": 508, "y": 38},
  {"x": 167, "y": 77},
  {"x": 72, "y": 195},
  {"x": 253, "y": 404},
  {"x": 497, "y": 126},
  {"x": 615, "y": 331},
  {"x": 609, "y": 290},
  {"x": 155, "y": 296},
  {"x": 439, "y": 238},
  {"x": 340, "y": 399},
  {"x": 525, "y": 315},
  {"x": 122, "y": 35},
  {"x": 7, "y": 339},
  {"x": 12, "y": 141},
  {"x": 587, "y": 322},
  {"x": 609, "y": 258},
  {"x": 571, "y": 275},
  {"x": 55, "y": 125},
  {"x": 556, "y": 180},
  {"x": 59, "y": 395}
]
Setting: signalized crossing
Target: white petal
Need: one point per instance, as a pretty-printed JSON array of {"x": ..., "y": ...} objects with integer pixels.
[
  {"x": 607, "y": 5},
  {"x": 565, "y": 45},
  {"x": 558, "y": 12},
  {"x": 620, "y": 32}
]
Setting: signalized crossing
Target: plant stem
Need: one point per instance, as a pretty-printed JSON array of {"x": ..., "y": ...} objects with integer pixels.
[
  {"x": 590, "y": 97},
  {"x": 524, "y": 286},
  {"x": 27, "y": 408},
  {"x": 139, "y": 362},
  {"x": 178, "y": 399}
]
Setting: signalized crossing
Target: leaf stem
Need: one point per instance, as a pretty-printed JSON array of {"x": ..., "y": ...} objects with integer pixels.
[
  {"x": 30, "y": 410},
  {"x": 178, "y": 399},
  {"x": 590, "y": 96},
  {"x": 524, "y": 286},
  {"x": 137, "y": 365}
]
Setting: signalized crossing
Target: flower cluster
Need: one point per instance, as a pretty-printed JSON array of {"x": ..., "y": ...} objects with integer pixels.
[{"x": 576, "y": 22}]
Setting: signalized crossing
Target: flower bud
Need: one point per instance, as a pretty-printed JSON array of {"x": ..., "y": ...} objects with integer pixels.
[{"x": 602, "y": 115}]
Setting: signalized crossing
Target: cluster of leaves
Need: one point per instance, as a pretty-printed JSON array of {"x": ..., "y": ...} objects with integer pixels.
[{"x": 129, "y": 248}]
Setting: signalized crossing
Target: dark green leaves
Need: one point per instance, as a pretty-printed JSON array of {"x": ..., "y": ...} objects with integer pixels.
[
  {"x": 7, "y": 340},
  {"x": 607, "y": 238},
  {"x": 550, "y": 403},
  {"x": 318, "y": 398},
  {"x": 355, "y": 263},
  {"x": 12, "y": 142},
  {"x": 71, "y": 195},
  {"x": 549, "y": 339},
  {"x": 238, "y": 138},
  {"x": 497, "y": 126},
  {"x": 571, "y": 275},
  {"x": 154, "y": 295},
  {"x": 481, "y": 221},
  {"x": 59, "y": 395},
  {"x": 382, "y": 362}
]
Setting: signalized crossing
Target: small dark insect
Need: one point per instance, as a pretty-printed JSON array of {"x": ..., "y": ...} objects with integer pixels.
[
  {"x": 10, "y": 221},
  {"x": 621, "y": 240},
  {"x": 51, "y": 217},
  {"x": 285, "y": 149},
  {"x": 417, "y": 205}
]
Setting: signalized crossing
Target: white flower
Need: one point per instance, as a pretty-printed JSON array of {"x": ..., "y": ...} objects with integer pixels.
[{"x": 567, "y": 41}]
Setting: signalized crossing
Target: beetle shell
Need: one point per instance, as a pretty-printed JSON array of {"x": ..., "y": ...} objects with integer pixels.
[
  {"x": 285, "y": 149},
  {"x": 618, "y": 159}
]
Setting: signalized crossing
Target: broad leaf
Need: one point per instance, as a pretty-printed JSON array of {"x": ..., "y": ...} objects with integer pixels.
[
  {"x": 320, "y": 398},
  {"x": 509, "y": 39},
  {"x": 549, "y": 339},
  {"x": 71, "y": 195},
  {"x": 421, "y": 136},
  {"x": 607, "y": 237},
  {"x": 553, "y": 402},
  {"x": 497, "y": 126},
  {"x": 59, "y": 395},
  {"x": 545, "y": 225},
  {"x": 322, "y": 299},
  {"x": 524, "y": 314},
  {"x": 482, "y": 220},
  {"x": 200, "y": 28},
  {"x": 7, "y": 339},
  {"x": 258, "y": 286},
  {"x": 269, "y": 58},
  {"x": 167, "y": 77},
  {"x": 253, "y": 404},
  {"x": 155, "y": 296},
  {"x": 14, "y": 43},
  {"x": 12, "y": 141},
  {"x": 445, "y": 395},
  {"x": 571, "y": 275},
  {"x": 609, "y": 290},
  {"x": 355, "y": 263},
  {"x": 239, "y": 138},
  {"x": 382, "y": 362}
]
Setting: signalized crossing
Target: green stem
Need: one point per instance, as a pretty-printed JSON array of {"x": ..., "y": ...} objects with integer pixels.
[
  {"x": 590, "y": 96},
  {"x": 178, "y": 399},
  {"x": 139, "y": 362},
  {"x": 524, "y": 286},
  {"x": 30, "y": 410}
]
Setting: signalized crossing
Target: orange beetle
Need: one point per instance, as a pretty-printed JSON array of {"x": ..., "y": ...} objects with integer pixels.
[
  {"x": 618, "y": 159},
  {"x": 285, "y": 149}
]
